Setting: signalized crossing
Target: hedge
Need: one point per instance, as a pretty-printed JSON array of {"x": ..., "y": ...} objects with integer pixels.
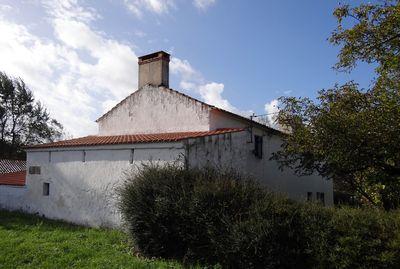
[{"x": 220, "y": 217}]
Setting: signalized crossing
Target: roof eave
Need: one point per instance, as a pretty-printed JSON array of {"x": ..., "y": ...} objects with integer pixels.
[{"x": 173, "y": 138}]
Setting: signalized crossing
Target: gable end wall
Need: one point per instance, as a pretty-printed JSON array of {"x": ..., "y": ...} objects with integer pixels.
[{"x": 155, "y": 110}]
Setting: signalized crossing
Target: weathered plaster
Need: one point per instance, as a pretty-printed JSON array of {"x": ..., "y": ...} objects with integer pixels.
[
  {"x": 12, "y": 197},
  {"x": 219, "y": 119},
  {"x": 155, "y": 110},
  {"x": 236, "y": 151},
  {"x": 83, "y": 192}
]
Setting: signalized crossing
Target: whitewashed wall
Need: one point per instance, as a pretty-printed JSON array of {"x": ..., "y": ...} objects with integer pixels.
[
  {"x": 155, "y": 110},
  {"x": 12, "y": 197},
  {"x": 219, "y": 119},
  {"x": 83, "y": 192},
  {"x": 236, "y": 151}
]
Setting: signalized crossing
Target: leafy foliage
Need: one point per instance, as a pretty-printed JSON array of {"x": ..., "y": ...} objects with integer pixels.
[
  {"x": 374, "y": 37},
  {"x": 350, "y": 136},
  {"x": 347, "y": 134},
  {"x": 210, "y": 216},
  {"x": 22, "y": 120},
  {"x": 223, "y": 218},
  {"x": 365, "y": 238}
]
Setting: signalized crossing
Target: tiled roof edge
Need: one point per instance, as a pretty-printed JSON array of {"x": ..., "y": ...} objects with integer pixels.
[{"x": 132, "y": 139}]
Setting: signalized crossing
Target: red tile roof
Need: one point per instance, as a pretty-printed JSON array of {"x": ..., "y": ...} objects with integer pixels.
[
  {"x": 9, "y": 166},
  {"x": 133, "y": 139},
  {"x": 13, "y": 179}
]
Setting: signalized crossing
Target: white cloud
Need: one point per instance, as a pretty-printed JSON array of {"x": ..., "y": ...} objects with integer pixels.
[
  {"x": 70, "y": 10},
  {"x": 184, "y": 70},
  {"x": 210, "y": 92},
  {"x": 137, "y": 7},
  {"x": 272, "y": 109},
  {"x": 75, "y": 89},
  {"x": 203, "y": 4},
  {"x": 79, "y": 73},
  {"x": 5, "y": 8}
]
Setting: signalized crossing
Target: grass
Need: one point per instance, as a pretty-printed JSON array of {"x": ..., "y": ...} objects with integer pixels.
[{"x": 28, "y": 241}]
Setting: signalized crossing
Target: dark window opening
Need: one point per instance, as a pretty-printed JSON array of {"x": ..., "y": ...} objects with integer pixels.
[
  {"x": 132, "y": 155},
  {"x": 34, "y": 170},
  {"x": 309, "y": 196},
  {"x": 258, "y": 146},
  {"x": 46, "y": 189},
  {"x": 321, "y": 197}
]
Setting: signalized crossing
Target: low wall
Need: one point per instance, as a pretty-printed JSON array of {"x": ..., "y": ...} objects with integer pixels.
[{"x": 12, "y": 197}]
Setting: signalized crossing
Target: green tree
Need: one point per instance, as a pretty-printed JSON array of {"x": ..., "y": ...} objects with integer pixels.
[
  {"x": 373, "y": 37},
  {"x": 348, "y": 134},
  {"x": 22, "y": 119}
]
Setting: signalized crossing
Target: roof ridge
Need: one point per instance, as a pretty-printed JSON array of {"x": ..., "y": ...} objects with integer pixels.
[
  {"x": 212, "y": 107},
  {"x": 118, "y": 104},
  {"x": 226, "y": 111},
  {"x": 162, "y": 87},
  {"x": 189, "y": 97}
]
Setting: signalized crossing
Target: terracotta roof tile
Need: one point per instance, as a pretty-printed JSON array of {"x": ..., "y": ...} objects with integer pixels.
[
  {"x": 9, "y": 166},
  {"x": 13, "y": 179},
  {"x": 133, "y": 139}
]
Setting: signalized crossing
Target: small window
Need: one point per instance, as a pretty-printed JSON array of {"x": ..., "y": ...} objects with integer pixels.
[
  {"x": 46, "y": 189},
  {"x": 34, "y": 170},
  {"x": 84, "y": 156},
  {"x": 321, "y": 197},
  {"x": 49, "y": 156},
  {"x": 258, "y": 146},
  {"x": 309, "y": 196},
  {"x": 132, "y": 155}
]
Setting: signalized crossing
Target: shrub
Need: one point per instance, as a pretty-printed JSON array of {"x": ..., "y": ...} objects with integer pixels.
[
  {"x": 211, "y": 217},
  {"x": 366, "y": 238},
  {"x": 184, "y": 214},
  {"x": 154, "y": 204},
  {"x": 282, "y": 234}
]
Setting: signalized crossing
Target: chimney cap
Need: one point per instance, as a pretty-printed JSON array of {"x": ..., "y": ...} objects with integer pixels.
[{"x": 154, "y": 57}]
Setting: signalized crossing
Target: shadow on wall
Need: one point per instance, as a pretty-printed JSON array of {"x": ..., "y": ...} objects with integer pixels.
[{"x": 84, "y": 192}]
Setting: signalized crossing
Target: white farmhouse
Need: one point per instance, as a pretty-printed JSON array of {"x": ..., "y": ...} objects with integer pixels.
[{"x": 75, "y": 179}]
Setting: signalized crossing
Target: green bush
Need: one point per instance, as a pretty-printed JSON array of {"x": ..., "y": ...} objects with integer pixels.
[
  {"x": 211, "y": 217},
  {"x": 364, "y": 238}
]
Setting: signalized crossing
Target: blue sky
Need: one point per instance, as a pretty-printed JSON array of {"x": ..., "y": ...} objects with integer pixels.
[{"x": 80, "y": 57}]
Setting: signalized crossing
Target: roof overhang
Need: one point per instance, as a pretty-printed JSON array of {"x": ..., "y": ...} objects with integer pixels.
[{"x": 92, "y": 141}]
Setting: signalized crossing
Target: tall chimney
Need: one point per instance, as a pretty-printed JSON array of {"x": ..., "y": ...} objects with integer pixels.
[{"x": 154, "y": 69}]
